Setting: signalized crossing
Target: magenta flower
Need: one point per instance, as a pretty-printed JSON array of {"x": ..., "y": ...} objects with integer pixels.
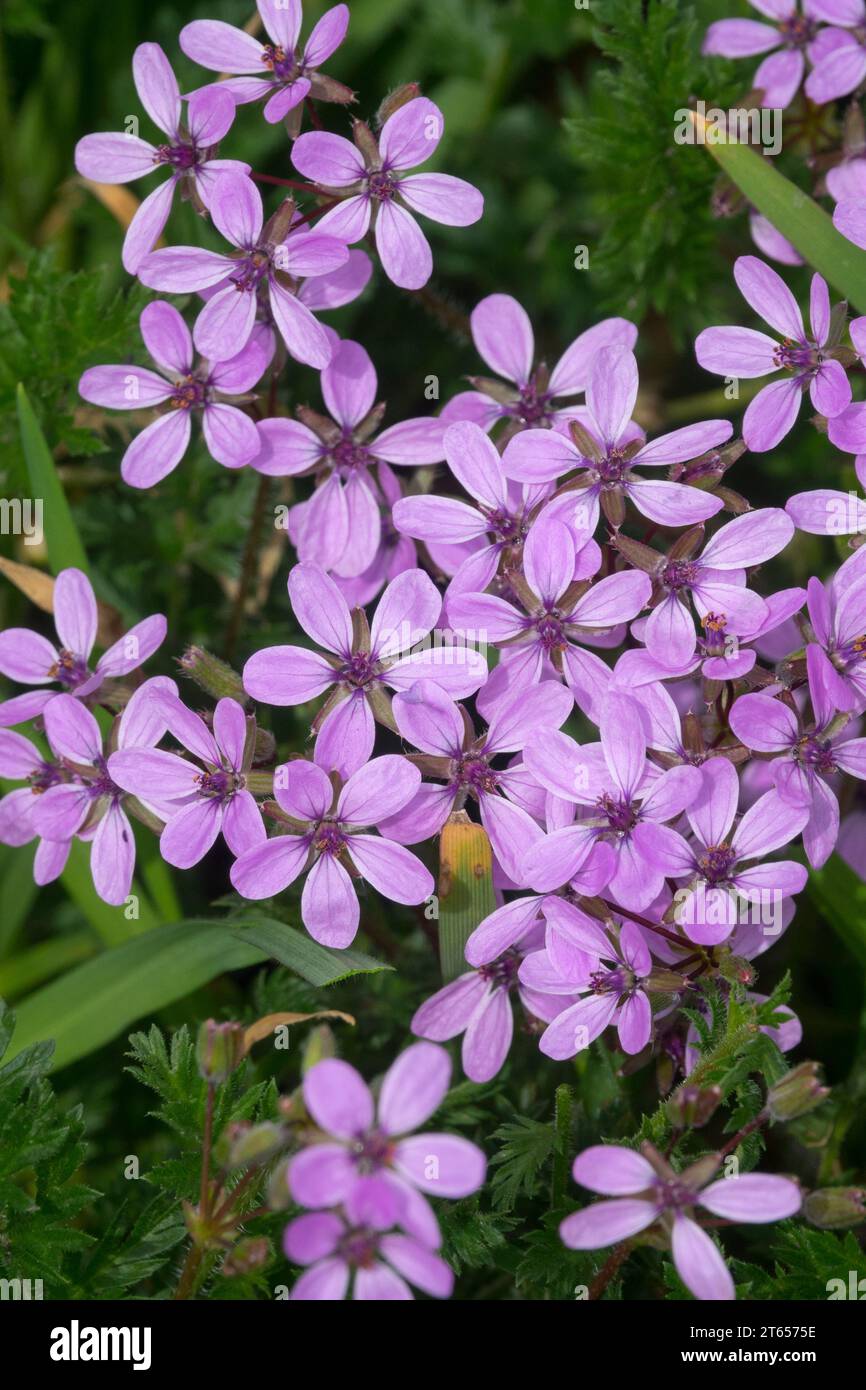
[
  {"x": 792, "y": 34},
  {"x": 182, "y": 386},
  {"x": 478, "y": 1005},
  {"x": 630, "y": 803},
  {"x": 744, "y": 352},
  {"x": 555, "y": 623},
  {"x": 342, "y": 1252},
  {"x": 31, "y": 659},
  {"x": 22, "y": 761},
  {"x": 719, "y": 866},
  {"x": 646, "y": 1189},
  {"x": 90, "y": 804},
  {"x": 534, "y": 398},
  {"x": 197, "y": 799},
  {"x": 271, "y": 256},
  {"x": 357, "y": 670},
  {"x": 839, "y": 57},
  {"x": 276, "y": 70},
  {"x": 608, "y": 478},
  {"x": 116, "y": 157},
  {"x": 371, "y": 1159},
  {"x": 837, "y": 613},
  {"x": 372, "y": 180},
  {"x": 340, "y": 527},
  {"x": 429, "y": 720},
  {"x": 727, "y": 655},
  {"x": 808, "y": 755},
  {"x": 332, "y": 845},
  {"x": 716, "y": 581},
  {"x": 610, "y": 978}
]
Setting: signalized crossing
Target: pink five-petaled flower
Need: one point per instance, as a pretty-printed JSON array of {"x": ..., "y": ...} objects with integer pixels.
[
  {"x": 117, "y": 157},
  {"x": 30, "y": 658},
  {"x": 716, "y": 580},
  {"x": 331, "y": 841},
  {"x": 340, "y": 527},
  {"x": 358, "y": 667},
  {"x": 793, "y": 33},
  {"x": 90, "y": 804},
  {"x": 645, "y": 1189},
  {"x": 371, "y": 1159},
  {"x": 478, "y": 1005},
  {"x": 616, "y": 448},
  {"x": 429, "y": 719},
  {"x": 534, "y": 398},
  {"x": 557, "y": 621},
  {"x": 609, "y": 975},
  {"x": 718, "y": 867},
  {"x": 374, "y": 185},
  {"x": 808, "y": 755},
  {"x": 22, "y": 761},
  {"x": 839, "y": 56},
  {"x": 343, "y": 1251},
  {"x": 198, "y": 799},
  {"x": 627, "y": 799},
  {"x": 497, "y": 519},
  {"x": 837, "y": 614},
  {"x": 182, "y": 386},
  {"x": 271, "y": 255},
  {"x": 744, "y": 352},
  {"x": 274, "y": 70}
]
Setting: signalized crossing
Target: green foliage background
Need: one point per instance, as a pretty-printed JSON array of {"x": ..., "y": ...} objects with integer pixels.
[{"x": 564, "y": 117}]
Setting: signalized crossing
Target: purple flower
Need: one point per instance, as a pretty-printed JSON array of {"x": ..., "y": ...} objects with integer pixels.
[
  {"x": 837, "y": 613},
  {"x": 343, "y": 1251},
  {"x": 31, "y": 659},
  {"x": 197, "y": 799},
  {"x": 793, "y": 33},
  {"x": 277, "y": 70},
  {"x": 265, "y": 255},
  {"x": 839, "y": 57},
  {"x": 611, "y": 446},
  {"x": 371, "y": 179},
  {"x": 716, "y": 581},
  {"x": 507, "y": 798},
  {"x": 372, "y": 1161},
  {"x": 182, "y": 386},
  {"x": 20, "y": 760},
  {"x": 726, "y": 654},
  {"x": 81, "y": 798},
  {"x": 557, "y": 620},
  {"x": 117, "y": 157},
  {"x": 503, "y": 337},
  {"x": 324, "y": 833},
  {"x": 358, "y": 667},
  {"x": 340, "y": 527},
  {"x": 718, "y": 866},
  {"x": 630, "y": 802},
  {"x": 770, "y": 241},
  {"x": 744, "y": 352},
  {"x": 478, "y": 1005},
  {"x": 646, "y": 1189},
  {"x": 808, "y": 755}
]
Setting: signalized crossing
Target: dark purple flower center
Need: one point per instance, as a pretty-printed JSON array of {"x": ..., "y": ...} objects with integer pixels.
[
  {"x": 348, "y": 456},
  {"x": 551, "y": 632},
  {"x": 102, "y": 785},
  {"x": 715, "y": 629},
  {"x": 611, "y": 471},
  {"x": 183, "y": 155},
  {"x": 372, "y": 1151},
  {"x": 679, "y": 574},
  {"x": 44, "y": 776},
  {"x": 475, "y": 774},
  {"x": 218, "y": 786},
  {"x": 621, "y": 815},
  {"x": 360, "y": 670},
  {"x": 283, "y": 65},
  {"x": 359, "y": 1248},
  {"x": 252, "y": 269},
  {"x": 69, "y": 669},
  {"x": 797, "y": 357},
  {"x": 502, "y": 973},
  {"x": 798, "y": 31},
  {"x": 673, "y": 1193},
  {"x": 189, "y": 394},
  {"x": 716, "y": 862},
  {"x": 508, "y": 529},
  {"x": 328, "y": 838},
  {"x": 382, "y": 185},
  {"x": 618, "y": 981},
  {"x": 814, "y": 754},
  {"x": 533, "y": 407},
  {"x": 853, "y": 652}
]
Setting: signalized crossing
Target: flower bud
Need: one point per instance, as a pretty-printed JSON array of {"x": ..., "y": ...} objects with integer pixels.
[
  {"x": 255, "y": 1144},
  {"x": 394, "y": 100},
  {"x": 219, "y": 1049},
  {"x": 833, "y": 1208},
  {"x": 694, "y": 1106},
  {"x": 320, "y": 1043},
  {"x": 215, "y": 676},
  {"x": 248, "y": 1255},
  {"x": 798, "y": 1092}
]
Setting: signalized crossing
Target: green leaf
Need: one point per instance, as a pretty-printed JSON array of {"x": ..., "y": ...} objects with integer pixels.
[
  {"x": 799, "y": 218},
  {"x": 96, "y": 1001},
  {"x": 61, "y": 535},
  {"x": 110, "y": 923},
  {"x": 32, "y": 967},
  {"x": 17, "y": 892},
  {"x": 841, "y": 897},
  {"x": 315, "y": 963}
]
